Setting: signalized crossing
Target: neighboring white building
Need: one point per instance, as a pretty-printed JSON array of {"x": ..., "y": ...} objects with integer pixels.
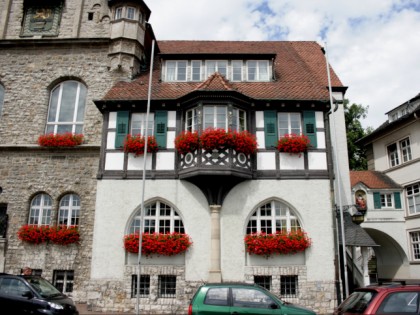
[{"x": 391, "y": 188}]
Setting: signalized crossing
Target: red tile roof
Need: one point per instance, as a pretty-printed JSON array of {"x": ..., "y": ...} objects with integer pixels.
[
  {"x": 372, "y": 180},
  {"x": 215, "y": 82},
  {"x": 299, "y": 70}
]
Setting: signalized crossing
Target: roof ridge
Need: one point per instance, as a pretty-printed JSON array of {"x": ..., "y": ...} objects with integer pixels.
[{"x": 211, "y": 80}]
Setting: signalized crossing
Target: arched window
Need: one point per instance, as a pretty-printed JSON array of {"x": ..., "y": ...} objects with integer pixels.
[
  {"x": 1, "y": 98},
  {"x": 273, "y": 217},
  {"x": 40, "y": 212},
  {"x": 158, "y": 218},
  {"x": 67, "y": 108},
  {"x": 69, "y": 212}
]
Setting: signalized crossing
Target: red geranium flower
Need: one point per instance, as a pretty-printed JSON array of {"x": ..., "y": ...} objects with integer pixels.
[
  {"x": 158, "y": 243},
  {"x": 293, "y": 143},
  {"x": 278, "y": 243},
  {"x": 60, "y": 140},
  {"x": 136, "y": 144},
  {"x": 187, "y": 141}
]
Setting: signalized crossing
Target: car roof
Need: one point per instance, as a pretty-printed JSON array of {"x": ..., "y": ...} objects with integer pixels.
[
  {"x": 231, "y": 284},
  {"x": 390, "y": 287}
]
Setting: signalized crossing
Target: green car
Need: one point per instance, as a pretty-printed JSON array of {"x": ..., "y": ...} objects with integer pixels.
[{"x": 226, "y": 298}]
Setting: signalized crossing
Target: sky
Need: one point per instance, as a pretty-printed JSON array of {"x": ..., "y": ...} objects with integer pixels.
[{"x": 373, "y": 45}]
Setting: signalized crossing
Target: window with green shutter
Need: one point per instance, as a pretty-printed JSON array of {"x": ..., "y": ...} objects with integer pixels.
[
  {"x": 309, "y": 127},
  {"x": 161, "y": 123},
  {"x": 270, "y": 128},
  {"x": 377, "y": 200},
  {"x": 122, "y": 128},
  {"x": 397, "y": 200}
]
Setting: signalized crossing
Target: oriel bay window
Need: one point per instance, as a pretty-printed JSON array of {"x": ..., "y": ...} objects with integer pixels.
[
  {"x": 278, "y": 124},
  {"x": 135, "y": 124},
  {"x": 215, "y": 116}
]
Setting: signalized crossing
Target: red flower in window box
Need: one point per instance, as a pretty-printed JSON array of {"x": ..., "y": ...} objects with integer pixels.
[
  {"x": 263, "y": 244},
  {"x": 61, "y": 235},
  {"x": 244, "y": 142},
  {"x": 213, "y": 139},
  {"x": 64, "y": 235},
  {"x": 158, "y": 243},
  {"x": 60, "y": 140},
  {"x": 136, "y": 144},
  {"x": 33, "y": 234},
  {"x": 187, "y": 141},
  {"x": 293, "y": 143}
]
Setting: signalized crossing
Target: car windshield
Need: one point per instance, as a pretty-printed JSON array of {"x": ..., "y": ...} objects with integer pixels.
[
  {"x": 43, "y": 287},
  {"x": 357, "y": 302}
]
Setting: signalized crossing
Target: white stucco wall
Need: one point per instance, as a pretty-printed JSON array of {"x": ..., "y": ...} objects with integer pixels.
[
  {"x": 310, "y": 201},
  {"x": 118, "y": 199}
]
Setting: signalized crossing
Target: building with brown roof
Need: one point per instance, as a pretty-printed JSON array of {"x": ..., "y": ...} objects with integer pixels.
[{"x": 213, "y": 175}]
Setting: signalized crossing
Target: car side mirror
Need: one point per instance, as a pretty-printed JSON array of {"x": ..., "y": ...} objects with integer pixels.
[
  {"x": 28, "y": 294},
  {"x": 274, "y": 306}
]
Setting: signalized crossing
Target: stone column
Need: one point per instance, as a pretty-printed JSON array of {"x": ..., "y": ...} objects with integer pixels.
[
  {"x": 215, "y": 273},
  {"x": 365, "y": 267}
]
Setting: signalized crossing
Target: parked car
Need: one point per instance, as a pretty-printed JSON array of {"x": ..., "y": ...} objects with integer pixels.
[
  {"x": 240, "y": 298},
  {"x": 32, "y": 295},
  {"x": 383, "y": 299}
]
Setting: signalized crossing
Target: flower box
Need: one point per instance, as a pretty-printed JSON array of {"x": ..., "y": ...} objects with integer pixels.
[
  {"x": 135, "y": 144},
  {"x": 293, "y": 143},
  {"x": 60, "y": 140},
  {"x": 187, "y": 141},
  {"x": 158, "y": 243},
  {"x": 214, "y": 139},
  {"x": 61, "y": 235},
  {"x": 278, "y": 243}
]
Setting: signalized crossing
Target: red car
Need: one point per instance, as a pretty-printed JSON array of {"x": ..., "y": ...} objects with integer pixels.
[{"x": 383, "y": 299}]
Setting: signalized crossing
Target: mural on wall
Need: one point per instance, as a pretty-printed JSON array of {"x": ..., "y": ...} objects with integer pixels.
[{"x": 361, "y": 201}]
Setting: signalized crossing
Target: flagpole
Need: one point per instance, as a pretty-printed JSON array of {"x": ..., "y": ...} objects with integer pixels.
[{"x": 144, "y": 178}]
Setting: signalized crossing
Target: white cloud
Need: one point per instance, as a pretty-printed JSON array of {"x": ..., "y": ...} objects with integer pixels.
[{"x": 374, "y": 47}]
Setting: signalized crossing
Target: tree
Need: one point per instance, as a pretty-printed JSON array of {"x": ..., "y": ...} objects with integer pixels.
[{"x": 356, "y": 153}]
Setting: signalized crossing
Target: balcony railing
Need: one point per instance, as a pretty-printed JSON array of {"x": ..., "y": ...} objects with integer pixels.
[{"x": 216, "y": 162}]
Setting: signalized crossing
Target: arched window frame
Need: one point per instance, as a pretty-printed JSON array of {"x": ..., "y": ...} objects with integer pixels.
[
  {"x": 273, "y": 217},
  {"x": 40, "y": 211},
  {"x": 74, "y": 124},
  {"x": 160, "y": 217},
  {"x": 69, "y": 210}
]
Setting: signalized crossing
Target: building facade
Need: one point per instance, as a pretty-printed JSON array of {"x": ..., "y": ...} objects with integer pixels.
[
  {"x": 393, "y": 212},
  {"x": 84, "y": 68}
]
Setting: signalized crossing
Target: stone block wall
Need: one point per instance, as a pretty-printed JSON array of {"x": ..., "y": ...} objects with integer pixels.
[{"x": 27, "y": 172}]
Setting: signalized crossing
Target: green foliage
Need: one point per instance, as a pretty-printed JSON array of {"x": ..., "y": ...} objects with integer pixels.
[{"x": 355, "y": 131}]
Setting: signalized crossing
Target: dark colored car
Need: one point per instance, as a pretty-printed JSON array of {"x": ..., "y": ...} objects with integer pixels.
[
  {"x": 383, "y": 299},
  {"x": 32, "y": 295},
  {"x": 240, "y": 298}
]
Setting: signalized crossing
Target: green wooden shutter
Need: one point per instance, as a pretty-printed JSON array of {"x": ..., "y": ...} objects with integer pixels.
[
  {"x": 122, "y": 128},
  {"x": 270, "y": 128},
  {"x": 377, "y": 200},
  {"x": 161, "y": 123},
  {"x": 309, "y": 127},
  {"x": 397, "y": 199}
]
